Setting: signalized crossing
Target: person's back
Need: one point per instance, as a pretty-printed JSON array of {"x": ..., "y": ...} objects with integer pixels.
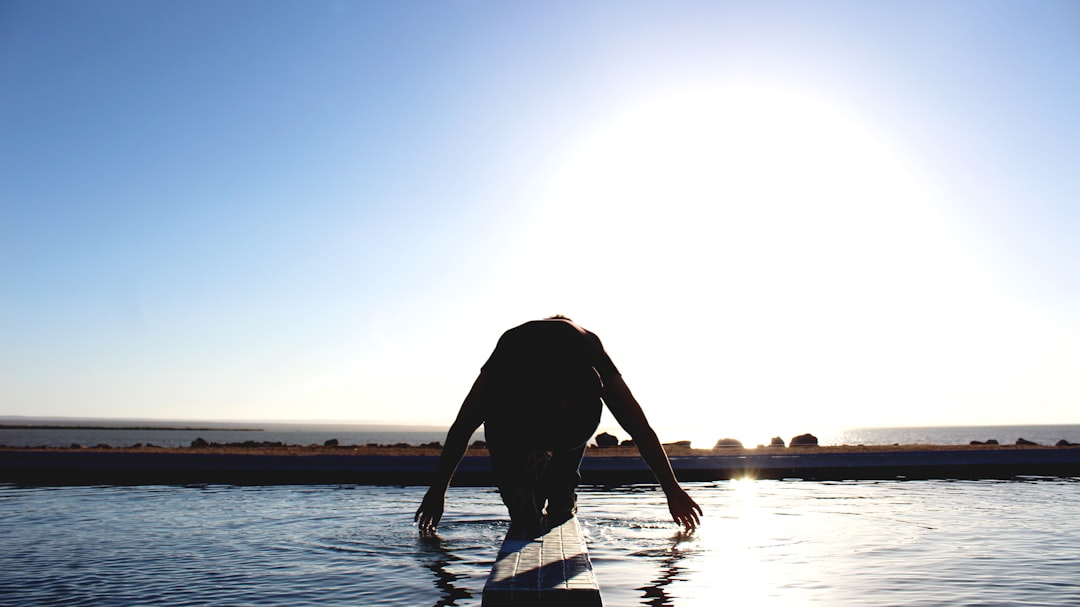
[
  {"x": 553, "y": 355},
  {"x": 545, "y": 381}
]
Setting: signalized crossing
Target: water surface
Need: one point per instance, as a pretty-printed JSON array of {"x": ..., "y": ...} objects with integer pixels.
[{"x": 762, "y": 542}]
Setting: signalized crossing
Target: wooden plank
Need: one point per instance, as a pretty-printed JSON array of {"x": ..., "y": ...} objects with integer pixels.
[{"x": 549, "y": 567}]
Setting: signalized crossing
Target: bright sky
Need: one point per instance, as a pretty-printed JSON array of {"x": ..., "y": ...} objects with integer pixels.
[{"x": 777, "y": 216}]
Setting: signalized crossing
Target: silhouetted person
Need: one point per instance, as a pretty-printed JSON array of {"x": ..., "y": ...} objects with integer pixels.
[{"x": 540, "y": 397}]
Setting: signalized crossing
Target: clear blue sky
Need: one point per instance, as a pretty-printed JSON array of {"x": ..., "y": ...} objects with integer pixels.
[{"x": 774, "y": 214}]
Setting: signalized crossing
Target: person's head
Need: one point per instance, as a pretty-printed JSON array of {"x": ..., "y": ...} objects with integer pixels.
[{"x": 559, "y": 317}]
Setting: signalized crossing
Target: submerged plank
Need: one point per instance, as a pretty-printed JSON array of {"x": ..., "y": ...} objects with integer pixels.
[{"x": 551, "y": 567}]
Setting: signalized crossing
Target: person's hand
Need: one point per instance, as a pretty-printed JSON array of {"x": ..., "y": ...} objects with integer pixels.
[
  {"x": 684, "y": 510},
  {"x": 430, "y": 511}
]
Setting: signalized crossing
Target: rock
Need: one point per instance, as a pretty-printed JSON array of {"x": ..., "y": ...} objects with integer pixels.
[
  {"x": 776, "y": 442},
  {"x": 804, "y": 440},
  {"x": 1064, "y": 443},
  {"x": 479, "y": 444},
  {"x": 728, "y": 443},
  {"x": 331, "y": 443},
  {"x": 76, "y": 446},
  {"x": 628, "y": 443},
  {"x": 604, "y": 440},
  {"x": 976, "y": 442},
  {"x": 1022, "y": 441},
  {"x": 199, "y": 443},
  {"x": 991, "y": 441},
  {"x": 679, "y": 443},
  {"x": 432, "y": 445}
]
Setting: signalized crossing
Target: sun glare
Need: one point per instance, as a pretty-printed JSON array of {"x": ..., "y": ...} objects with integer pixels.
[{"x": 783, "y": 250}]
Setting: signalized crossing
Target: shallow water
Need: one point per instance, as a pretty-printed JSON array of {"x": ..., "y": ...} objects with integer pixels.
[{"x": 762, "y": 542}]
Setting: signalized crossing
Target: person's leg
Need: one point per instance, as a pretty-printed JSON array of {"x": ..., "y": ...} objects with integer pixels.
[
  {"x": 561, "y": 481},
  {"x": 518, "y": 466},
  {"x": 578, "y": 422},
  {"x": 518, "y": 476}
]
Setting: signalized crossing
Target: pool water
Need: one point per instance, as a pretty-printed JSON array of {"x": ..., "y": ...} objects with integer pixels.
[{"x": 762, "y": 542}]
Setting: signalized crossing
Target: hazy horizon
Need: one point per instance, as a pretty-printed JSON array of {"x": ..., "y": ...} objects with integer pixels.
[{"x": 58, "y": 432}]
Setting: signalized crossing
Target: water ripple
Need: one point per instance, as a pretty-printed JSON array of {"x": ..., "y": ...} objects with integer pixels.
[{"x": 763, "y": 542}]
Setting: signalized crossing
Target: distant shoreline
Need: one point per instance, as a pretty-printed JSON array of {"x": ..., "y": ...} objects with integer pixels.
[{"x": 253, "y": 448}]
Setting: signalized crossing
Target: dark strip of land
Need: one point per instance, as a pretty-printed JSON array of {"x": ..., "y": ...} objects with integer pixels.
[{"x": 620, "y": 466}]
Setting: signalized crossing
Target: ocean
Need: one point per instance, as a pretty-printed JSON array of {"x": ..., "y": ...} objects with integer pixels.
[
  {"x": 124, "y": 433},
  {"x": 957, "y": 543},
  {"x": 89, "y": 433}
]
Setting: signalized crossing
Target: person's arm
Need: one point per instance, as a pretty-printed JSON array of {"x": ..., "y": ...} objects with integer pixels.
[
  {"x": 469, "y": 418},
  {"x": 684, "y": 510}
]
